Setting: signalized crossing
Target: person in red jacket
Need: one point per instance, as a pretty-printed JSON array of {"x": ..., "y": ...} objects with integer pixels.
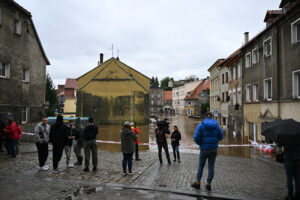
[
  {"x": 19, "y": 131},
  {"x": 136, "y": 130},
  {"x": 11, "y": 132}
]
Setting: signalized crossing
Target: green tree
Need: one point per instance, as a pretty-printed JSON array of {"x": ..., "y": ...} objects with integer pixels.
[
  {"x": 164, "y": 83},
  {"x": 51, "y": 96},
  {"x": 152, "y": 82},
  {"x": 190, "y": 78},
  {"x": 156, "y": 82},
  {"x": 204, "y": 108}
]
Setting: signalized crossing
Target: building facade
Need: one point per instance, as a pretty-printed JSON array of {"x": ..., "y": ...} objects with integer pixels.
[
  {"x": 215, "y": 105},
  {"x": 69, "y": 90},
  {"x": 113, "y": 93},
  {"x": 22, "y": 65},
  {"x": 271, "y": 71},
  {"x": 156, "y": 101},
  {"x": 224, "y": 94}
]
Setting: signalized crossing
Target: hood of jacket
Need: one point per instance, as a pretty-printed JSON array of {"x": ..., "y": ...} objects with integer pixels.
[
  {"x": 210, "y": 124},
  {"x": 125, "y": 132}
]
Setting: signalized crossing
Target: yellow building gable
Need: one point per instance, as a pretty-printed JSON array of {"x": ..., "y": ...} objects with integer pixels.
[{"x": 105, "y": 94}]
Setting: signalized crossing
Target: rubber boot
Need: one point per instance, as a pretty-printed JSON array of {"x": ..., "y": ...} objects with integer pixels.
[{"x": 79, "y": 161}]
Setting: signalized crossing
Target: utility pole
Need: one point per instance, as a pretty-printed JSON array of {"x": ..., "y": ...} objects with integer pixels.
[{"x": 131, "y": 107}]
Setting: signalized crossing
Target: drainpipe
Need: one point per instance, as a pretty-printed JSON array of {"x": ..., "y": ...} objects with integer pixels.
[
  {"x": 131, "y": 100},
  {"x": 278, "y": 70}
]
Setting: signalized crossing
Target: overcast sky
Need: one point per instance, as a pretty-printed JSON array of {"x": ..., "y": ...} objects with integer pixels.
[{"x": 161, "y": 38}]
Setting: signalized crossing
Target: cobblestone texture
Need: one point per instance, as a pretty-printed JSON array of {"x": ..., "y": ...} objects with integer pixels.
[{"x": 244, "y": 178}]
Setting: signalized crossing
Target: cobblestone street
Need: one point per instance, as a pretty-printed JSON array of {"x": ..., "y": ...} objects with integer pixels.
[{"x": 235, "y": 178}]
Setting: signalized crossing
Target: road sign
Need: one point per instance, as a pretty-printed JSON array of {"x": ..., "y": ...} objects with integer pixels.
[{"x": 56, "y": 111}]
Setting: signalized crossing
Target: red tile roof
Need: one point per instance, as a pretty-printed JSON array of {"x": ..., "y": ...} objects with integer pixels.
[
  {"x": 167, "y": 95},
  {"x": 71, "y": 83},
  {"x": 203, "y": 85}
]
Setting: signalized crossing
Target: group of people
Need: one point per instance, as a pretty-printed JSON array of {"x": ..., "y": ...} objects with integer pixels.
[
  {"x": 10, "y": 135},
  {"x": 63, "y": 137}
]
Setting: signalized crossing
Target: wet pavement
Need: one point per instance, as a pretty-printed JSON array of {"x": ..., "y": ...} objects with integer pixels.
[{"x": 240, "y": 173}]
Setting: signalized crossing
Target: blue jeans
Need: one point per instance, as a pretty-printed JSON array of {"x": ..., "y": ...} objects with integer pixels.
[
  {"x": 211, "y": 155},
  {"x": 292, "y": 171},
  {"x": 127, "y": 159}
]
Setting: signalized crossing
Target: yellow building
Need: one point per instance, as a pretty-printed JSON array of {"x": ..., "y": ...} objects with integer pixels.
[{"x": 112, "y": 93}]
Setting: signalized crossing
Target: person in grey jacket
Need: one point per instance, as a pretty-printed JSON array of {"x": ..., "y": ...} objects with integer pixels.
[
  {"x": 41, "y": 133},
  {"x": 128, "y": 138}
]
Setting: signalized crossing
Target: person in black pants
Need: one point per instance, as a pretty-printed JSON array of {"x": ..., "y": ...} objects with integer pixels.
[
  {"x": 160, "y": 132},
  {"x": 41, "y": 133},
  {"x": 90, "y": 133},
  {"x": 175, "y": 137},
  {"x": 58, "y": 138}
]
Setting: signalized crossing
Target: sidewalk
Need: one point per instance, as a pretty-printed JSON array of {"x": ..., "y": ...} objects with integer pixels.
[{"x": 235, "y": 178}]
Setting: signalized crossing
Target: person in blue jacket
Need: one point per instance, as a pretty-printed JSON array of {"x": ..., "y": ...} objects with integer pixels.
[{"x": 207, "y": 135}]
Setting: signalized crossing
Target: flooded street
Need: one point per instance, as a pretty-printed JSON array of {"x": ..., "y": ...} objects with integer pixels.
[{"x": 186, "y": 127}]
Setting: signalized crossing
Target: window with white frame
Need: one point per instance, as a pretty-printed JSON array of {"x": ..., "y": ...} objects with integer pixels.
[
  {"x": 0, "y": 16},
  {"x": 296, "y": 31},
  {"x": 254, "y": 92},
  {"x": 4, "y": 70},
  {"x": 239, "y": 70},
  {"x": 255, "y": 56},
  {"x": 268, "y": 47},
  {"x": 24, "y": 114},
  {"x": 234, "y": 97},
  {"x": 268, "y": 89},
  {"x": 248, "y": 59},
  {"x": 239, "y": 96},
  {"x": 26, "y": 74},
  {"x": 248, "y": 93},
  {"x": 234, "y": 73},
  {"x": 18, "y": 26},
  {"x": 296, "y": 84}
]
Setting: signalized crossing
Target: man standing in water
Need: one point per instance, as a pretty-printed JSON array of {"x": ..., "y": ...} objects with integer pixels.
[
  {"x": 207, "y": 136},
  {"x": 90, "y": 133},
  {"x": 160, "y": 132}
]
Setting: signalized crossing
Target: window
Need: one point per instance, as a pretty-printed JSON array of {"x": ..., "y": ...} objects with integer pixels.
[
  {"x": 255, "y": 56},
  {"x": 234, "y": 97},
  {"x": 222, "y": 78},
  {"x": 25, "y": 77},
  {"x": 234, "y": 73},
  {"x": 152, "y": 103},
  {"x": 248, "y": 60},
  {"x": 18, "y": 26},
  {"x": 227, "y": 97},
  {"x": 295, "y": 31},
  {"x": 239, "y": 70},
  {"x": 239, "y": 96},
  {"x": 24, "y": 114},
  {"x": 4, "y": 70},
  {"x": 296, "y": 84},
  {"x": 0, "y": 16},
  {"x": 223, "y": 99},
  {"x": 248, "y": 93},
  {"x": 226, "y": 77},
  {"x": 254, "y": 92},
  {"x": 268, "y": 89},
  {"x": 268, "y": 47}
]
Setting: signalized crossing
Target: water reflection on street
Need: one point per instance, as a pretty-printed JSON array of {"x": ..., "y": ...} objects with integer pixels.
[{"x": 186, "y": 126}]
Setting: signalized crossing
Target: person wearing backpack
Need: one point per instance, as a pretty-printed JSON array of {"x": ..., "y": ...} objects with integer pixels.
[{"x": 41, "y": 133}]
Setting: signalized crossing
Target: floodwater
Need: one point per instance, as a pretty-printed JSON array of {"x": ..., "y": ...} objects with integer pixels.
[{"x": 186, "y": 126}]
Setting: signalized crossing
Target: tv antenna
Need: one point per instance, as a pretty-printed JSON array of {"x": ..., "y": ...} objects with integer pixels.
[{"x": 112, "y": 50}]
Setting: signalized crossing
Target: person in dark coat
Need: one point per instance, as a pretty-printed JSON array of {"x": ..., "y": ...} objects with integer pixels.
[
  {"x": 291, "y": 157},
  {"x": 58, "y": 138},
  {"x": 161, "y": 140},
  {"x": 90, "y": 133},
  {"x": 71, "y": 134},
  {"x": 79, "y": 141},
  {"x": 175, "y": 137},
  {"x": 207, "y": 135},
  {"x": 128, "y": 138}
]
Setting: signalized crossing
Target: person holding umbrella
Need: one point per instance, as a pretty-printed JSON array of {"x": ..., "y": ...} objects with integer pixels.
[{"x": 287, "y": 134}]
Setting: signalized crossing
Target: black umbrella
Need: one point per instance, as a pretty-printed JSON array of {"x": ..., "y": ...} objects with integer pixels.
[{"x": 285, "y": 131}]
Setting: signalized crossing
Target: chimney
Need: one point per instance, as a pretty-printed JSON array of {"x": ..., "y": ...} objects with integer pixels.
[
  {"x": 246, "y": 37},
  {"x": 101, "y": 58}
]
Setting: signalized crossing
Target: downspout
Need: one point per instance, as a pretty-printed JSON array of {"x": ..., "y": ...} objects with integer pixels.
[{"x": 278, "y": 71}]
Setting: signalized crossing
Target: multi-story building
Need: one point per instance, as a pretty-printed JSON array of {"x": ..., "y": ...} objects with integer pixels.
[
  {"x": 215, "y": 90},
  {"x": 69, "y": 91},
  {"x": 271, "y": 70},
  {"x": 22, "y": 64},
  {"x": 224, "y": 94},
  {"x": 167, "y": 99},
  {"x": 178, "y": 95},
  {"x": 235, "y": 107},
  {"x": 156, "y": 101}
]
